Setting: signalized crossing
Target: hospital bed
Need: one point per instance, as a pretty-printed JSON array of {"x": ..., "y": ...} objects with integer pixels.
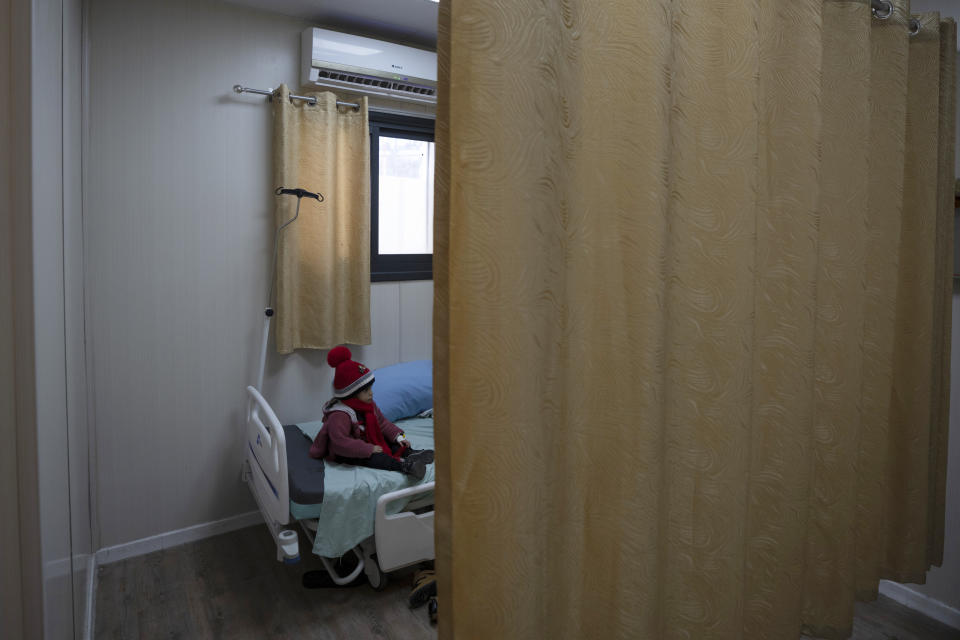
[
  {"x": 384, "y": 518},
  {"x": 381, "y": 516}
]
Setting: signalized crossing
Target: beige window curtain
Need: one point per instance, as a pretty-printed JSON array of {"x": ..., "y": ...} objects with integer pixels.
[
  {"x": 692, "y": 273},
  {"x": 323, "y": 263}
]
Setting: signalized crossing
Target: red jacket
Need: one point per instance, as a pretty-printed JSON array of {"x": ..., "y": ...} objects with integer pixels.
[{"x": 341, "y": 435}]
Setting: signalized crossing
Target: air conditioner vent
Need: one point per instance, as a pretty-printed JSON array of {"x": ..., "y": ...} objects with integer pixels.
[
  {"x": 367, "y": 81},
  {"x": 412, "y": 88}
]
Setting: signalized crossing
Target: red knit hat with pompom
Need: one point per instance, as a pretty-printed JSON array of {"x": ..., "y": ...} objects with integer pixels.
[{"x": 350, "y": 376}]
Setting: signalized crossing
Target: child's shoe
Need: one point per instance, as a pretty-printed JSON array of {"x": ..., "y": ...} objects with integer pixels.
[
  {"x": 423, "y": 455},
  {"x": 413, "y": 467},
  {"x": 432, "y": 610}
]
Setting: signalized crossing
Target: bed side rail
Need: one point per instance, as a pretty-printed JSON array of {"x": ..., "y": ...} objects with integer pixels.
[
  {"x": 266, "y": 453},
  {"x": 403, "y": 538}
]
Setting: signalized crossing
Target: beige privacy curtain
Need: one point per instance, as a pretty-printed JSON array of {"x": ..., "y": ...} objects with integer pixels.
[
  {"x": 323, "y": 264},
  {"x": 691, "y": 323}
]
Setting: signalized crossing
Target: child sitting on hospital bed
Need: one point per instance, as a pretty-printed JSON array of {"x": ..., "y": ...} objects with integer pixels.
[{"x": 355, "y": 431}]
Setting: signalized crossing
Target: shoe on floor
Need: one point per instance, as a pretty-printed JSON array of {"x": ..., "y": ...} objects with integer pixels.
[
  {"x": 432, "y": 610},
  {"x": 424, "y": 587}
]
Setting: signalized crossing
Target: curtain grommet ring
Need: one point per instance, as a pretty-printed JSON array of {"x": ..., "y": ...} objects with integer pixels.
[
  {"x": 881, "y": 9},
  {"x": 914, "y": 27}
]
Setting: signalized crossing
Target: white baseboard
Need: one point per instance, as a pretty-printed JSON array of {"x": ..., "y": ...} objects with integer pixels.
[
  {"x": 921, "y": 602},
  {"x": 176, "y": 538},
  {"x": 90, "y": 608}
]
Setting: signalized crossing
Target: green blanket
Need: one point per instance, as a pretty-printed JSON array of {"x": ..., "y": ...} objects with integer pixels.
[{"x": 350, "y": 493}]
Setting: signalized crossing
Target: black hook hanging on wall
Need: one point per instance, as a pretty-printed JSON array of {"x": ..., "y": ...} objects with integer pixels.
[{"x": 301, "y": 194}]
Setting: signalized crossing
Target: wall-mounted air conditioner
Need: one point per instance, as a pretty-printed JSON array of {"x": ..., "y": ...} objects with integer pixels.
[{"x": 371, "y": 67}]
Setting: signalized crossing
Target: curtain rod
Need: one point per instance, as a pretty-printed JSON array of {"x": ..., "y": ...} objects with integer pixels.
[{"x": 311, "y": 99}]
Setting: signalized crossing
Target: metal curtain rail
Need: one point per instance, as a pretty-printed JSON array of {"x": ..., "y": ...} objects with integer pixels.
[{"x": 311, "y": 99}]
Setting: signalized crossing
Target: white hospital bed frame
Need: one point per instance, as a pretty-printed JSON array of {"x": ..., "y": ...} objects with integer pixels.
[{"x": 399, "y": 540}]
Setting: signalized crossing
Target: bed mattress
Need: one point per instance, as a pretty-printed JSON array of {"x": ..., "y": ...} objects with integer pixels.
[{"x": 346, "y": 516}]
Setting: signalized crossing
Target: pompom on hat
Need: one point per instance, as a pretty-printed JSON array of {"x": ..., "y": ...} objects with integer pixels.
[{"x": 350, "y": 376}]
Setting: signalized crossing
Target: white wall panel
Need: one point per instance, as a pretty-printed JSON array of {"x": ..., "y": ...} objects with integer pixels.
[
  {"x": 25, "y": 536},
  {"x": 416, "y": 338},
  {"x": 81, "y": 542},
  {"x": 11, "y": 597},
  {"x": 49, "y": 217},
  {"x": 385, "y": 324},
  {"x": 178, "y": 230}
]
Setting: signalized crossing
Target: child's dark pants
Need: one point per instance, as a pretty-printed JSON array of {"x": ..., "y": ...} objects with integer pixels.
[{"x": 378, "y": 460}]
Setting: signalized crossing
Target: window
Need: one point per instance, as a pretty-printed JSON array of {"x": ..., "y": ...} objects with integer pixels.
[{"x": 401, "y": 198}]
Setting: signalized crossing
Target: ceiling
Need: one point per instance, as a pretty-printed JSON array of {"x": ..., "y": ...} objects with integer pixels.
[{"x": 411, "y": 22}]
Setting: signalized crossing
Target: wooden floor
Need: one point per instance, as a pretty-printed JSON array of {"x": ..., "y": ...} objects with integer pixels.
[{"x": 230, "y": 586}]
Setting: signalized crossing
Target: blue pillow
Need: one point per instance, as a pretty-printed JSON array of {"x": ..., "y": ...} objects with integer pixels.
[{"x": 405, "y": 389}]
